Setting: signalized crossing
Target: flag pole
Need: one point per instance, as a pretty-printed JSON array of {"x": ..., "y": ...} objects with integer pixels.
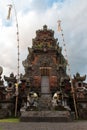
[
  {"x": 72, "y": 88},
  {"x": 74, "y": 100},
  {"x": 18, "y": 59},
  {"x": 18, "y": 78},
  {"x": 16, "y": 100},
  {"x": 18, "y": 54}
]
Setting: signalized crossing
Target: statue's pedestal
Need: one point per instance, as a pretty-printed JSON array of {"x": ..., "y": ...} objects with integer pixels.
[{"x": 45, "y": 116}]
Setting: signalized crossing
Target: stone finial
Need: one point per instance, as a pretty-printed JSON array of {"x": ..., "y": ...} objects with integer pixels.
[
  {"x": 45, "y": 27},
  {"x": 1, "y": 70}
]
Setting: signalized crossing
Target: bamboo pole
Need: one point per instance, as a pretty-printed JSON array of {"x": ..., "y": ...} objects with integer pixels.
[
  {"x": 18, "y": 59},
  {"x": 18, "y": 47},
  {"x": 16, "y": 100},
  {"x": 16, "y": 104},
  {"x": 72, "y": 88},
  {"x": 74, "y": 100}
]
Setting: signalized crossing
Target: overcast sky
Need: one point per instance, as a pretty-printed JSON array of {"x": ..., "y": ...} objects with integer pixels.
[{"x": 31, "y": 16}]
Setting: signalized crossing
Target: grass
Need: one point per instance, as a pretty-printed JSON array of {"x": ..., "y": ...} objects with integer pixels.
[{"x": 16, "y": 120}]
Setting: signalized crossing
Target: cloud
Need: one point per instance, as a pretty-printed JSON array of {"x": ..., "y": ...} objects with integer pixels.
[
  {"x": 32, "y": 16},
  {"x": 75, "y": 33}
]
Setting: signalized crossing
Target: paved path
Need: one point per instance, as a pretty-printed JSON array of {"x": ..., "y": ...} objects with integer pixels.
[{"x": 44, "y": 126}]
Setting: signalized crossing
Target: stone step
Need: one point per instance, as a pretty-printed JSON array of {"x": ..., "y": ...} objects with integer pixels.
[
  {"x": 45, "y": 116},
  {"x": 45, "y": 103}
]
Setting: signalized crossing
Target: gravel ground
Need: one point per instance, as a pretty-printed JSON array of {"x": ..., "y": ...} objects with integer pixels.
[{"x": 80, "y": 125}]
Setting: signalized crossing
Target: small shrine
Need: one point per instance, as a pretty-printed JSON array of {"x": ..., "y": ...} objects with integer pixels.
[
  {"x": 81, "y": 95},
  {"x": 2, "y": 88}
]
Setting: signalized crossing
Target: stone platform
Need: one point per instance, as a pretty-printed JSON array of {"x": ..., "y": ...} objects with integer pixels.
[{"x": 45, "y": 116}]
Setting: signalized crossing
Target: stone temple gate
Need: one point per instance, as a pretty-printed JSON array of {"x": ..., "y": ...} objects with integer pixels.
[
  {"x": 45, "y": 74},
  {"x": 45, "y": 65}
]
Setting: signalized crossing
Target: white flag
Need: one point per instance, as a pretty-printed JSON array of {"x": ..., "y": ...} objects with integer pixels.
[
  {"x": 9, "y": 11},
  {"x": 59, "y": 25}
]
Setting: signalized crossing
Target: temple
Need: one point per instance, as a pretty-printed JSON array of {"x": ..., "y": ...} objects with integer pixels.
[{"x": 45, "y": 87}]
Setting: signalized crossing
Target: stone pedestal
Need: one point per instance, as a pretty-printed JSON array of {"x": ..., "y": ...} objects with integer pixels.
[
  {"x": 4, "y": 113},
  {"x": 45, "y": 116}
]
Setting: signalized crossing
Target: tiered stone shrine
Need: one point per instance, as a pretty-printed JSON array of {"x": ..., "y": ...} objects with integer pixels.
[
  {"x": 45, "y": 74},
  {"x": 45, "y": 63}
]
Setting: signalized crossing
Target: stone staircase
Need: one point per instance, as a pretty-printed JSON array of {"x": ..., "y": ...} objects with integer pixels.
[
  {"x": 45, "y": 99},
  {"x": 45, "y": 113},
  {"x": 45, "y": 102},
  {"x": 45, "y": 84}
]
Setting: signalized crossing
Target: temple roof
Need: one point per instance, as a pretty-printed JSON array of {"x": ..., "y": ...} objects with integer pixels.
[
  {"x": 77, "y": 77},
  {"x": 11, "y": 78},
  {"x": 44, "y": 38}
]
